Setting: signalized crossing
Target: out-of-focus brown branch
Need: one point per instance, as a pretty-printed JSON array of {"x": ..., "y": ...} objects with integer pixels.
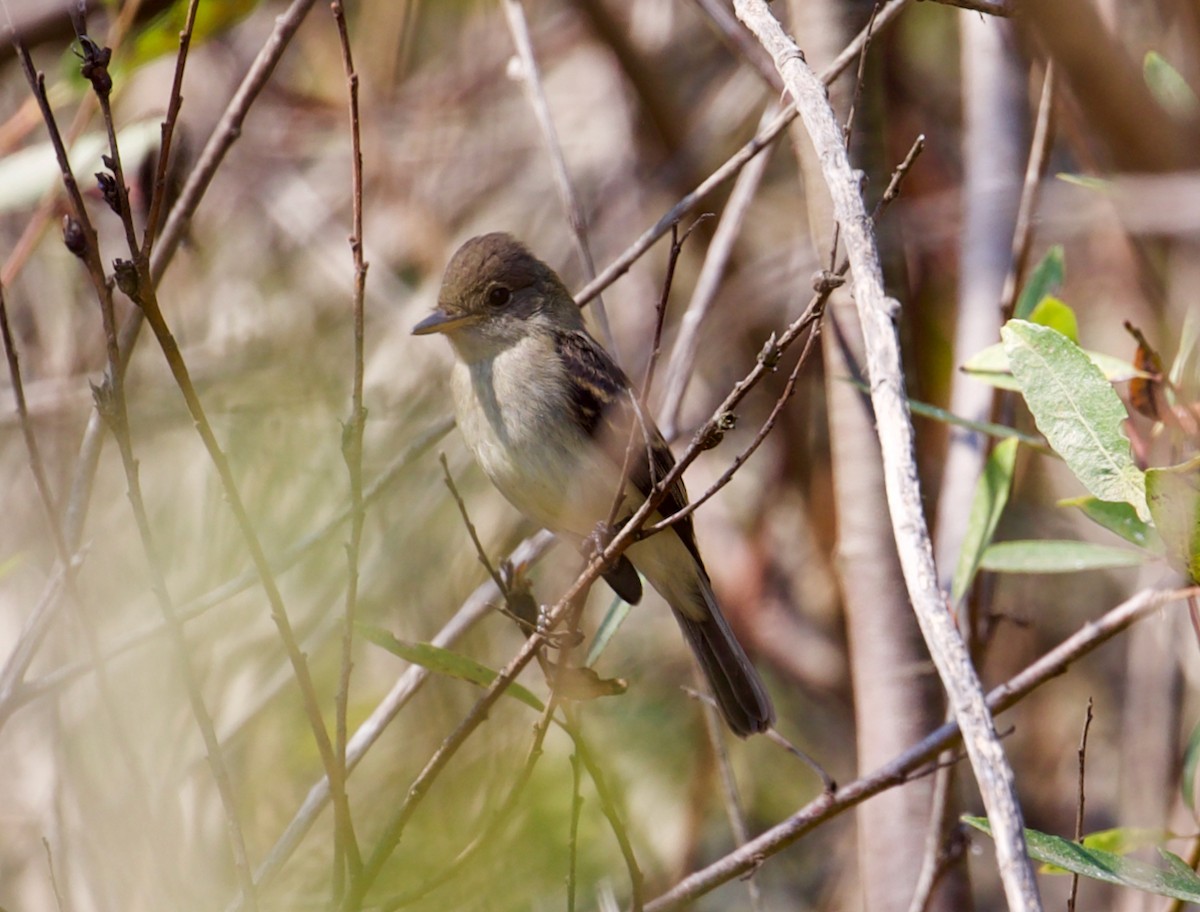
[{"x": 1138, "y": 133}]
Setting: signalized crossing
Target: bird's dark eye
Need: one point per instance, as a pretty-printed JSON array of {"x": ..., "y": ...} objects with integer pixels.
[{"x": 499, "y": 296}]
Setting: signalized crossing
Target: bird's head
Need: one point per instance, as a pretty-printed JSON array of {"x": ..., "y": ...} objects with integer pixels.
[{"x": 494, "y": 294}]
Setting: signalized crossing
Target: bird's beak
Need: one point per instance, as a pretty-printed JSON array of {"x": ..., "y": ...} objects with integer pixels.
[{"x": 441, "y": 322}]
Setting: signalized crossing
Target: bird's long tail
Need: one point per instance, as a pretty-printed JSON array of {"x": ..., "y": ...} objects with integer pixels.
[{"x": 738, "y": 689}]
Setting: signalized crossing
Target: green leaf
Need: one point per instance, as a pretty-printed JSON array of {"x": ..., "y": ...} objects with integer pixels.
[
  {"x": 991, "y": 366},
  {"x": 1191, "y": 769},
  {"x": 1106, "y": 866},
  {"x": 443, "y": 661},
  {"x": 1168, "y": 87},
  {"x": 1052, "y": 312},
  {"x": 1077, "y": 410},
  {"x": 1173, "y": 495},
  {"x": 1086, "y": 181},
  {"x": 1119, "y": 518},
  {"x": 613, "y": 619},
  {"x": 991, "y": 496},
  {"x": 988, "y": 428},
  {"x": 161, "y": 35},
  {"x": 1046, "y": 279},
  {"x": 1053, "y": 556},
  {"x": 1119, "y": 841}
]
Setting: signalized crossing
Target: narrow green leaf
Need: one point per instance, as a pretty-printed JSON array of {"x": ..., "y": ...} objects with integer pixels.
[
  {"x": 443, "y": 661},
  {"x": 991, "y": 429},
  {"x": 1046, "y": 279},
  {"x": 1173, "y": 495},
  {"x": 1119, "y": 518},
  {"x": 611, "y": 623},
  {"x": 991, "y": 496},
  {"x": 1086, "y": 181},
  {"x": 1191, "y": 770},
  {"x": 1106, "y": 866},
  {"x": 1052, "y": 556},
  {"x": 1053, "y": 312},
  {"x": 1077, "y": 410},
  {"x": 1168, "y": 87}
]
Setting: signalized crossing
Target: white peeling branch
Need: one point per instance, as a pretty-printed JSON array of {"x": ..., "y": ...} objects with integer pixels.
[{"x": 876, "y": 312}]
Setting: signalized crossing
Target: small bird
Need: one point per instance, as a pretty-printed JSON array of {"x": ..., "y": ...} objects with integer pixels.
[{"x": 552, "y": 421}]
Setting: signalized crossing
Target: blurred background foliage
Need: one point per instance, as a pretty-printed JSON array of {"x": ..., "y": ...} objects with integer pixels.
[{"x": 647, "y": 98}]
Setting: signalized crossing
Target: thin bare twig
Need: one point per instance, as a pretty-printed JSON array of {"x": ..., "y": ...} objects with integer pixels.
[
  {"x": 514, "y": 13},
  {"x": 811, "y": 318},
  {"x": 1035, "y": 168},
  {"x": 1001, "y": 8},
  {"x": 573, "y": 831},
  {"x": 734, "y": 813},
  {"x": 345, "y": 844},
  {"x": 608, "y": 807},
  {"x": 59, "y": 900},
  {"x": 1087, "y": 724},
  {"x": 848, "y": 126},
  {"x": 716, "y": 258},
  {"x": 480, "y": 552},
  {"x": 488, "y": 833}
]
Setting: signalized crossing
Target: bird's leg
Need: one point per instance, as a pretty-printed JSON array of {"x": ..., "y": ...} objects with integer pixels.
[{"x": 620, "y": 573}]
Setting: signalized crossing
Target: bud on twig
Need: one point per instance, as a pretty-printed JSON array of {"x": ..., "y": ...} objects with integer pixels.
[
  {"x": 108, "y": 190},
  {"x": 127, "y": 277},
  {"x": 770, "y": 354},
  {"x": 73, "y": 236},
  {"x": 713, "y": 433},
  {"x": 95, "y": 65}
]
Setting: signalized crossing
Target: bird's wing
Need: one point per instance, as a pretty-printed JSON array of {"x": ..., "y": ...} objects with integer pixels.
[{"x": 606, "y": 410}]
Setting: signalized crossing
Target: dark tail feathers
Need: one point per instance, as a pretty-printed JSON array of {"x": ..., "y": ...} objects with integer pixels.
[{"x": 737, "y": 687}]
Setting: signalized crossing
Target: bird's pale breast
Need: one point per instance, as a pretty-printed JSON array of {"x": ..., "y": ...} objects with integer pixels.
[{"x": 516, "y": 424}]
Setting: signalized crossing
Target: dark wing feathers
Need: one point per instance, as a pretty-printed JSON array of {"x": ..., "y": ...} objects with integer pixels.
[{"x": 605, "y": 408}]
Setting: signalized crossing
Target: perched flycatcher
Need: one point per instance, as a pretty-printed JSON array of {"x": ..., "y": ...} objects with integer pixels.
[{"x": 552, "y": 422}]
